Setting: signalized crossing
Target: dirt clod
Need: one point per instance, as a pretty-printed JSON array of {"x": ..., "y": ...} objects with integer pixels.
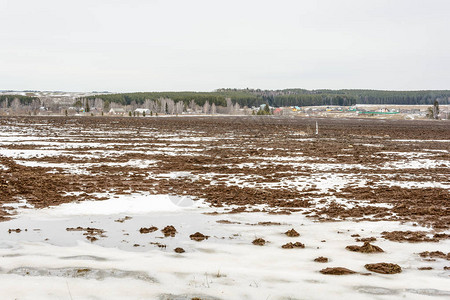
[
  {"x": 198, "y": 237},
  {"x": 91, "y": 233},
  {"x": 438, "y": 254},
  {"x": 91, "y": 238},
  {"x": 121, "y": 220},
  {"x": 268, "y": 223},
  {"x": 159, "y": 245},
  {"x": 148, "y": 229},
  {"x": 384, "y": 268},
  {"x": 227, "y": 222},
  {"x": 259, "y": 242},
  {"x": 321, "y": 259},
  {"x": 169, "y": 231},
  {"x": 292, "y": 233},
  {"x": 367, "y": 239},
  {"x": 366, "y": 248},
  {"x": 337, "y": 271},
  {"x": 293, "y": 245},
  {"x": 179, "y": 250}
]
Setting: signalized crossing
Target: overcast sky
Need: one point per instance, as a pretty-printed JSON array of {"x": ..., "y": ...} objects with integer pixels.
[{"x": 202, "y": 45}]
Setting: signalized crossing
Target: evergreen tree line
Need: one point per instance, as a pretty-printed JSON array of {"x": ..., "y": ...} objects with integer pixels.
[
  {"x": 399, "y": 97},
  {"x": 139, "y": 98},
  {"x": 287, "y": 97},
  {"x": 256, "y": 97},
  {"x": 24, "y": 100}
]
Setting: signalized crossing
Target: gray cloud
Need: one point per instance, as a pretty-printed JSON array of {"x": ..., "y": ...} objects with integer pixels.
[{"x": 145, "y": 45}]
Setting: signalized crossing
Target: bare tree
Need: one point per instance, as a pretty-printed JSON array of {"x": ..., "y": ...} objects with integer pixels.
[
  {"x": 206, "y": 107},
  {"x": 436, "y": 109},
  {"x": 229, "y": 106}
]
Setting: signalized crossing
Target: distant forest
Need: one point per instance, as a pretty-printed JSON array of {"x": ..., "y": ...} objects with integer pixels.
[
  {"x": 24, "y": 100},
  {"x": 286, "y": 97},
  {"x": 276, "y": 98}
]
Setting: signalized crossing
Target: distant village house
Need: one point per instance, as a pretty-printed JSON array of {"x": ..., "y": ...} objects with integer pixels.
[{"x": 117, "y": 111}]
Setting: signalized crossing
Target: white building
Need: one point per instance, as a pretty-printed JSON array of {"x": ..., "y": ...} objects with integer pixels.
[
  {"x": 117, "y": 111},
  {"x": 141, "y": 111}
]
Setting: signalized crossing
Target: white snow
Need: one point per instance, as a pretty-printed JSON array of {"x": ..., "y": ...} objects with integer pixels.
[
  {"x": 226, "y": 265},
  {"x": 125, "y": 204}
]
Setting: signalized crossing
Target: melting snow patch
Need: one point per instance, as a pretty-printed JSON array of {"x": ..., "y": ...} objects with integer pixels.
[
  {"x": 87, "y": 273},
  {"x": 125, "y": 204}
]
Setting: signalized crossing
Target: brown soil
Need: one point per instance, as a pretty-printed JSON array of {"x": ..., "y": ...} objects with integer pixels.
[
  {"x": 198, "y": 237},
  {"x": 222, "y": 145},
  {"x": 88, "y": 230},
  {"x": 268, "y": 223},
  {"x": 384, "y": 268},
  {"x": 412, "y": 236},
  {"x": 425, "y": 268},
  {"x": 121, "y": 220},
  {"x": 435, "y": 254},
  {"x": 366, "y": 248},
  {"x": 17, "y": 230},
  {"x": 169, "y": 231},
  {"x": 159, "y": 245},
  {"x": 292, "y": 233},
  {"x": 179, "y": 250},
  {"x": 337, "y": 271},
  {"x": 321, "y": 259},
  {"x": 91, "y": 234},
  {"x": 424, "y": 204},
  {"x": 293, "y": 245},
  {"x": 91, "y": 238},
  {"x": 368, "y": 239},
  {"x": 259, "y": 242},
  {"x": 148, "y": 229},
  {"x": 227, "y": 222}
]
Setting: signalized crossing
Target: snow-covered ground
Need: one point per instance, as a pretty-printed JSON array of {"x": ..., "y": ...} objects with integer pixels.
[{"x": 54, "y": 263}]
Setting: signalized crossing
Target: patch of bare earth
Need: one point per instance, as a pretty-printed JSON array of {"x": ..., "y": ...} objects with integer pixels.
[
  {"x": 384, "y": 268},
  {"x": 232, "y": 148},
  {"x": 366, "y": 248},
  {"x": 337, "y": 271}
]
